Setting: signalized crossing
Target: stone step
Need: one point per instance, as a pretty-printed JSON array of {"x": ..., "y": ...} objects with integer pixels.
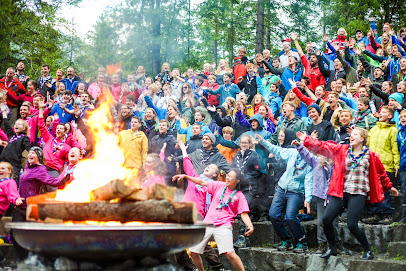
[
  {"x": 270, "y": 259},
  {"x": 397, "y": 250},
  {"x": 378, "y": 235}
]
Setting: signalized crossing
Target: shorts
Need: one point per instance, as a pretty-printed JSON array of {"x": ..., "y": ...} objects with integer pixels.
[{"x": 223, "y": 235}]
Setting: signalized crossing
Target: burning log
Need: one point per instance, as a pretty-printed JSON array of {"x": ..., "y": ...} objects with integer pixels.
[
  {"x": 118, "y": 190},
  {"x": 113, "y": 190},
  {"x": 147, "y": 211},
  {"x": 160, "y": 191}
]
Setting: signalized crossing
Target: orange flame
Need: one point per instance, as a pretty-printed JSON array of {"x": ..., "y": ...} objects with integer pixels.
[{"x": 107, "y": 163}]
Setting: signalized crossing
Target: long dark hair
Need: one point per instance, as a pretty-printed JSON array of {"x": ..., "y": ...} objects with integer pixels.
[{"x": 238, "y": 176}]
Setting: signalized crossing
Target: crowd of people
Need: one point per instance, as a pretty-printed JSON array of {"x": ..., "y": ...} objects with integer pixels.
[{"x": 315, "y": 130}]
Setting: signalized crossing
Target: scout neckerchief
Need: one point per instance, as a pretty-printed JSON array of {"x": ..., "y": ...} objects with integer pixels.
[
  {"x": 360, "y": 117},
  {"x": 402, "y": 138},
  {"x": 241, "y": 161},
  {"x": 69, "y": 171},
  {"x": 5, "y": 83},
  {"x": 58, "y": 146},
  {"x": 249, "y": 79},
  {"x": 43, "y": 80},
  {"x": 221, "y": 205},
  {"x": 5, "y": 179},
  {"x": 357, "y": 159},
  {"x": 15, "y": 138},
  {"x": 337, "y": 72},
  {"x": 204, "y": 160},
  {"x": 227, "y": 88}
]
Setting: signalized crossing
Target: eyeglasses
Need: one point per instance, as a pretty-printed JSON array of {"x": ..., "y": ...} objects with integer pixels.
[
  {"x": 184, "y": 87},
  {"x": 241, "y": 142}
]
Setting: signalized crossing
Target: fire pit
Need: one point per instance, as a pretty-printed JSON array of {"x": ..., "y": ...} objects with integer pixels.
[{"x": 96, "y": 242}]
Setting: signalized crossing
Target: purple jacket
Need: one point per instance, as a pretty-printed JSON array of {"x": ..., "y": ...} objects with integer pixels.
[
  {"x": 320, "y": 182},
  {"x": 270, "y": 127},
  {"x": 33, "y": 177}
]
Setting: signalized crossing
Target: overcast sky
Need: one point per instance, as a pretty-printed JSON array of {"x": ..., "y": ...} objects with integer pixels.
[{"x": 88, "y": 11}]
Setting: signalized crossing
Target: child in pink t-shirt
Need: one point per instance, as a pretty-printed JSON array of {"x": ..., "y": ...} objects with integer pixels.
[
  {"x": 194, "y": 192},
  {"x": 227, "y": 203},
  {"x": 8, "y": 188}
]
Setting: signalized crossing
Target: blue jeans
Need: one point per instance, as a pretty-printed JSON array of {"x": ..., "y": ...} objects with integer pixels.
[
  {"x": 402, "y": 181},
  {"x": 383, "y": 208},
  {"x": 288, "y": 203}
]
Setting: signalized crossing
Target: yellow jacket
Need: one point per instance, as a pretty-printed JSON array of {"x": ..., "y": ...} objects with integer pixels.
[
  {"x": 135, "y": 147},
  {"x": 382, "y": 140}
]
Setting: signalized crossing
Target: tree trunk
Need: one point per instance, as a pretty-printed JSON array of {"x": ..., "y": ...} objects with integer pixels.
[
  {"x": 231, "y": 36},
  {"x": 156, "y": 37},
  {"x": 259, "y": 38},
  {"x": 146, "y": 211}
]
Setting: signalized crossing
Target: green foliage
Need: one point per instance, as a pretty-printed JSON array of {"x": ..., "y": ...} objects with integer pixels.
[
  {"x": 399, "y": 258},
  {"x": 29, "y": 33}
]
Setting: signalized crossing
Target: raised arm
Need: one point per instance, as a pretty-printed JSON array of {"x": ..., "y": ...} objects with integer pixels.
[
  {"x": 190, "y": 178},
  {"x": 294, "y": 37}
]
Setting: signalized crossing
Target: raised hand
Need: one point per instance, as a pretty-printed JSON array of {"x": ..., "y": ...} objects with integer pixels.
[
  {"x": 301, "y": 135},
  {"x": 325, "y": 38},
  {"x": 295, "y": 142},
  {"x": 294, "y": 35},
  {"x": 292, "y": 83},
  {"x": 314, "y": 135}
]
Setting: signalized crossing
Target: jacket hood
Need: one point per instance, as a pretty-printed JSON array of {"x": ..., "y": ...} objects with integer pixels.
[
  {"x": 386, "y": 125},
  {"x": 258, "y": 118},
  {"x": 290, "y": 135},
  {"x": 222, "y": 110}
]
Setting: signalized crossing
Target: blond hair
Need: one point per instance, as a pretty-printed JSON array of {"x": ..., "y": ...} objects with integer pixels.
[{"x": 9, "y": 167}]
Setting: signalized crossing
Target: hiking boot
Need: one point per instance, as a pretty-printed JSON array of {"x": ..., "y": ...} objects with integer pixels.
[
  {"x": 321, "y": 248},
  {"x": 301, "y": 247},
  {"x": 371, "y": 219},
  {"x": 386, "y": 220},
  {"x": 342, "y": 250},
  {"x": 241, "y": 242},
  {"x": 285, "y": 245}
]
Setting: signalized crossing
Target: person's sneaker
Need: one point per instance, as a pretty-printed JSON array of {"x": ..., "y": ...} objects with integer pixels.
[
  {"x": 321, "y": 248},
  {"x": 386, "y": 220},
  {"x": 367, "y": 255},
  {"x": 285, "y": 245},
  {"x": 301, "y": 247},
  {"x": 342, "y": 250},
  {"x": 371, "y": 220},
  {"x": 241, "y": 242}
]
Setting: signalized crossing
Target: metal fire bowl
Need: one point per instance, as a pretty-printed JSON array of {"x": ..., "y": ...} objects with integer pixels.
[{"x": 94, "y": 242}]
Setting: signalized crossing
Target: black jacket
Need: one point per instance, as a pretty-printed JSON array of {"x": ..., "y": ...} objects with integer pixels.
[
  {"x": 249, "y": 87},
  {"x": 13, "y": 152},
  {"x": 201, "y": 158},
  {"x": 194, "y": 143},
  {"x": 330, "y": 74},
  {"x": 250, "y": 166},
  {"x": 232, "y": 122},
  {"x": 324, "y": 129}
]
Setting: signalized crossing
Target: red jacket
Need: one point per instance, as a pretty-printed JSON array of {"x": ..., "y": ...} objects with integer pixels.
[
  {"x": 314, "y": 74},
  {"x": 16, "y": 88},
  {"x": 379, "y": 181},
  {"x": 340, "y": 41}
]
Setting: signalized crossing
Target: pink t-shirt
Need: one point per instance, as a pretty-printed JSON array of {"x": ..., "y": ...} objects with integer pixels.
[
  {"x": 225, "y": 217},
  {"x": 192, "y": 193},
  {"x": 151, "y": 180},
  {"x": 8, "y": 194}
]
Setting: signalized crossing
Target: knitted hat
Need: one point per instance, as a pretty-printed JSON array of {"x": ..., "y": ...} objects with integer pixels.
[
  {"x": 315, "y": 106},
  {"x": 211, "y": 136},
  {"x": 39, "y": 153},
  {"x": 397, "y": 97}
]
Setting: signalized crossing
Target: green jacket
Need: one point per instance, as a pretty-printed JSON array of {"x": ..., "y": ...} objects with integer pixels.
[
  {"x": 296, "y": 124},
  {"x": 382, "y": 140},
  {"x": 364, "y": 119}
]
